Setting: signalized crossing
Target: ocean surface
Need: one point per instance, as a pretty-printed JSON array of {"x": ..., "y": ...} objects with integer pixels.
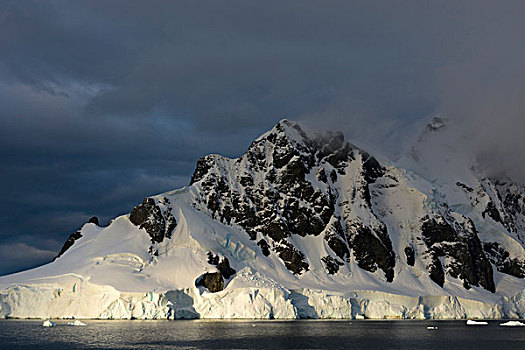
[{"x": 205, "y": 334}]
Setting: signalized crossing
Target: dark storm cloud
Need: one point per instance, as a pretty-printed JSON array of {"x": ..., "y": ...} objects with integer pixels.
[{"x": 105, "y": 102}]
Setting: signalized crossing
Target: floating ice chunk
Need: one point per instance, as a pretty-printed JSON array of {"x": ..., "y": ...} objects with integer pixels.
[
  {"x": 432, "y": 327},
  {"x": 76, "y": 323},
  {"x": 512, "y": 324},
  {"x": 476, "y": 323},
  {"x": 48, "y": 323}
]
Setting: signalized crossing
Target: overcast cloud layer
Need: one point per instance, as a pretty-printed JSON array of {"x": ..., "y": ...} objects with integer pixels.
[{"x": 105, "y": 102}]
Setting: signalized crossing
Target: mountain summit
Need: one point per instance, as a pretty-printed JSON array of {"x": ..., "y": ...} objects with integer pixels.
[{"x": 300, "y": 226}]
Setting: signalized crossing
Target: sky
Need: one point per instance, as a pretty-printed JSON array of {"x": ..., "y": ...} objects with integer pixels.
[{"x": 105, "y": 102}]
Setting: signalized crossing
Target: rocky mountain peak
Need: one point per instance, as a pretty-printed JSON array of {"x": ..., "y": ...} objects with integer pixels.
[
  {"x": 318, "y": 205},
  {"x": 290, "y": 183}
]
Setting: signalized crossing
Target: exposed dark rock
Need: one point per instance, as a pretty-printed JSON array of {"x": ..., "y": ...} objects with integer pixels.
[
  {"x": 465, "y": 187},
  {"x": 94, "y": 220},
  {"x": 511, "y": 208},
  {"x": 339, "y": 158},
  {"x": 246, "y": 180},
  {"x": 467, "y": 260},
  {"x": 321, "y": 175},
  {"x": 328, "y": 143},
  {"x": 436, "y": 272},
  {"x": 492, "y": 212},
  {"x": 410, "y": 254},
  {"x": 171, "y": 223},
  {"x": 292, "y": 258},
  {"x": 223, "y": 265},
  {"x": 372, "y": 252},
  {"x": 211, "y": 280},
  {"x": 69, "y": 242},
  {"x": 502, "y": 260},
  {"x": 148, "y": 216},
  {"x": 434, "y": 232},
  {"x": 285, "y": 203},
  {"x": 331, "y": 264},
  {"x": 335, "y": 240},
  {"x": 73, "y": 237},
  {"x": 333, "y": 176},
  {"x": 265, "y": 248},
  {"x": 203, "y": 166},
  {"x": 371, "y": 168},
  {"x": 276, "y": 231},
  {"x": 281, "y": 159}
]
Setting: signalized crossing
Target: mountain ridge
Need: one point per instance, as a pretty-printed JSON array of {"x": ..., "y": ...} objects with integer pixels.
[{"x": 307, "y": 212}]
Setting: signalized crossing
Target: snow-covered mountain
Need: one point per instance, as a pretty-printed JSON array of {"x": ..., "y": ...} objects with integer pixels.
[{"x": 300, "y": 226}]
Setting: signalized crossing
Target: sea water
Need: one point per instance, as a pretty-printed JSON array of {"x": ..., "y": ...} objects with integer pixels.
[{"x": 224, "y": 334}]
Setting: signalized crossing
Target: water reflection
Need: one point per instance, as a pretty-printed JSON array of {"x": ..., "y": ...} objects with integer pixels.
[{"x": 204, "y": 334}]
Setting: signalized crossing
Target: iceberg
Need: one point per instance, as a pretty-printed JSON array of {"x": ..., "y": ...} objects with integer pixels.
[
  {"x": 48, "y": 323},
  {"x": 512, "y": 324},
  {"x": 76, "y": 323},
  {"x": 476, "y": 323}
]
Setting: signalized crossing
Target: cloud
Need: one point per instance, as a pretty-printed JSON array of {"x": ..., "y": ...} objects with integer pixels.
[
  {"x": 482, "y": 88},
  {"x": 105, "y": 102},
  {"x": 18, "y": 256}
]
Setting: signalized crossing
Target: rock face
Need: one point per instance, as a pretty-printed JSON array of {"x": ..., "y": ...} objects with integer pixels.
[
  {"x": 467, "y": 260},
  {"x": 289, "y": 184},
  {"x": 156, "y": 219},
  {"x": 73, "y": 237},
  {"x": 213, "y": 281},
  {"x": 290, "y": 188},
  {"x": 271, "y": 195},
  {"x": 502, "y": 204},
  {"x": 502, "y": 260},
  {"x": 223, "y": 265}
]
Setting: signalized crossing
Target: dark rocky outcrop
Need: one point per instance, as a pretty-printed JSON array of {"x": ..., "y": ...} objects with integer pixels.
[
  {"x": 492, "y": 212},
  {"x": 213, "y": 281},
  {"x": 74, "y": 237},
  {"x": 463, "y": 249},
  {"x": 265, "y": 248},
  {"x": 293, "y": 259},
  {"x": 410, "y": 255},
  {"x": 69, "y": 243},
  {"x": 335, "y": 237},
  {"x": 332, "y": 265},
  {"x": 502, "y": 260},
  {"x": 507, "y": 205},
  {"x": 201, "y": 170},
  {"x": 465, "y": 187},
  {"x": 435, "y": 269},
  {"x": 223, "y": 265},
  {"x": 93, "y": 220},
  {"x": 373, "y": 251},
  {"x": 149, "y": 216}
]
